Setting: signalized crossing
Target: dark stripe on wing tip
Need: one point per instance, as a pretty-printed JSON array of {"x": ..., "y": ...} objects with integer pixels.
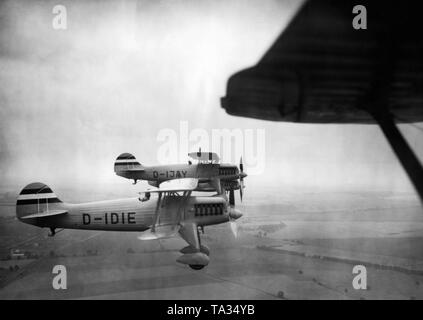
[
  {"x": 125, "y": 156},
  {"x": 36, "y": 191},
  {"x": 120, "y": 164},
  {"x": 37, "y": 201}
]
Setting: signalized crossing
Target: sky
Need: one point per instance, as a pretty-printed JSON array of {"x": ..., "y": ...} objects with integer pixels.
[{"x": 124, "y": 72}]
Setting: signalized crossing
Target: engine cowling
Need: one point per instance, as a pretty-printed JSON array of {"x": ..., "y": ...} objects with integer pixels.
[{"x": 230, "y": 185}]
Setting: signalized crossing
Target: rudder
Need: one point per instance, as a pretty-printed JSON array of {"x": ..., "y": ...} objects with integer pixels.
[
  {"x": 126, "y": 165},
  {"x": 36, "y": 197}
]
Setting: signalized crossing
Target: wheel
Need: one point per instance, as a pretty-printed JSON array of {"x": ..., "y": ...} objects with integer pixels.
[{"x": 196, "y": 266}]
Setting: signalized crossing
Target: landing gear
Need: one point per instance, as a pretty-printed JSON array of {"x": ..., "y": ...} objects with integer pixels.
[
  {"x": 195, "y": 255},
  {"x": 196, "y": 266},
  {"x": 52, "y": 232},
  {"x": 203, "y": 249}
]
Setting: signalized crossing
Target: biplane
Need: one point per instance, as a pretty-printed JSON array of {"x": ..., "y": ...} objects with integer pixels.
[
  {"x": 210, "y": 173},
  {"x": 175, "y": 211}
]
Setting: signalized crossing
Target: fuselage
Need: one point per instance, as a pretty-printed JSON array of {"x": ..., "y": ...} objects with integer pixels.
[
  {"x": 157, "y": 174},
  {"x": 133, "y": 215}
]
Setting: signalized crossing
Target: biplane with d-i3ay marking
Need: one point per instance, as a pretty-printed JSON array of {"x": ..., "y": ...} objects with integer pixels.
[{"x": 210, "y": 173}]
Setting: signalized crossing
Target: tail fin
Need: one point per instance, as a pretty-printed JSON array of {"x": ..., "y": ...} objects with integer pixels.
[
  {"x": 127, "y": 166},
  {"x": 37, "y": 198}
]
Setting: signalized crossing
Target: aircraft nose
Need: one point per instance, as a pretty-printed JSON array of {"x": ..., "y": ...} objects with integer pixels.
[
  {"x": 243, "y": 175},
  {"x": 235, "y": 214}
]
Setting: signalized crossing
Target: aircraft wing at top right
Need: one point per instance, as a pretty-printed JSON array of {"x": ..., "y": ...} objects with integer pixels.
[{"x": 341, "y": 62}]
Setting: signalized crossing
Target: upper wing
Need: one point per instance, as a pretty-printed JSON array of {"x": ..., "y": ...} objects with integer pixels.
[
  {"x": 175, "y": 185},
  {"x": 44, "y": 214}
]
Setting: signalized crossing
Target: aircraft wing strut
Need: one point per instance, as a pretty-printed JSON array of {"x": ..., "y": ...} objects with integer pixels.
[{"x": 185, "y": 185}]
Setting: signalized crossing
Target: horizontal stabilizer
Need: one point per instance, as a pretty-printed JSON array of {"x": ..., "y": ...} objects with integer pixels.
[{"x": 45, "y": 214}]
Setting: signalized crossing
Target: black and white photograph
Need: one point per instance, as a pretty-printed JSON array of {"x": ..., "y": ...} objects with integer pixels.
[{"x": 211, "y": 150}]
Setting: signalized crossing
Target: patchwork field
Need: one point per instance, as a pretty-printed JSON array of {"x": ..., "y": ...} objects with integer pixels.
[{"x": 287, "y": 250}]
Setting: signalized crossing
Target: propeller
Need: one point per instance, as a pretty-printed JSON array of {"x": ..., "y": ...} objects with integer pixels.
[
  {"x": 234, "y": 214},
  {"x": 234, "y": 228},
  {"x": 242, "y": 175}
]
